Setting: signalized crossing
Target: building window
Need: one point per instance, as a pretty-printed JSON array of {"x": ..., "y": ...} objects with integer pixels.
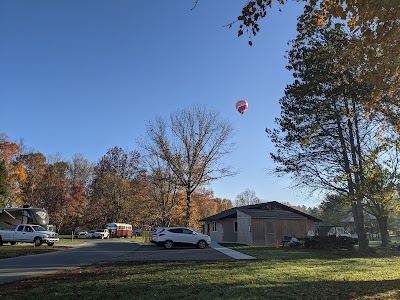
[
  {"x": 235, "y": 226},
  {"x": 214, "y": 226}
]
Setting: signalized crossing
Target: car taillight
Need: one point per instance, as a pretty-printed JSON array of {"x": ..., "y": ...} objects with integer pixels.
[{"x": 161, "y": 234}]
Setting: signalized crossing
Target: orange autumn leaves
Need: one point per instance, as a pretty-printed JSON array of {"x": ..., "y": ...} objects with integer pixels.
[{"x": 16, "y": 173}]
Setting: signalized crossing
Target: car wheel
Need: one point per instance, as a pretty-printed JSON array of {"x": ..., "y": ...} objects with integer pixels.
[
  {"x": 50, "y": 244},
  {"x": 37, "y": 241},
  {"x": 13, "y": 243},
  {"x": 1, "y": 241},
  {"x": 168, "y": 245},
  {"x": 201, "y": 244}
]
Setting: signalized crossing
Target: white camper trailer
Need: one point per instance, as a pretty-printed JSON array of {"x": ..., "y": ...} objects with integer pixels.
[{"x": 12, "y": 217}]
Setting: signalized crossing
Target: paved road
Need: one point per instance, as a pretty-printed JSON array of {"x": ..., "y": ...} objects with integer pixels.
[
  {"x": 17, "y": 268},
  {"x": 154, "y": 253}
]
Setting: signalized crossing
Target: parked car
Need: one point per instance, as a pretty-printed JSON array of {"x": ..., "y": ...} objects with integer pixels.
[
  {"x": 89, "y": 235},
  {"x": 154, "y": 234},
  {"x": 101, "y": 234},
  {"x": 171, "y": 236},
  {"x": 82, "y": 232}
]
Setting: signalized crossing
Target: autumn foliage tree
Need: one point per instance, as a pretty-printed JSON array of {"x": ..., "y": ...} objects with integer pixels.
[
  {"x": 76, "y": 202},
  {"x": 36, "y": 167},
  {"x": 16, "y": 174},
  {"x": 112, "y": 192},
  {"x": 163, "y": 191},
  {"x": 80, "y": 170},
  {"x": 205, "y": 205},
  {"x": 51, "y": 192},
  {"x": 118, "y": 188},
  {"x": 3, "y": 183},
  {"x": 50, "y": 186}
]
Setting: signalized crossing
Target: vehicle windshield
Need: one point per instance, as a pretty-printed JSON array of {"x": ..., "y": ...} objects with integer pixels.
[{"x": 39, "y": 228}]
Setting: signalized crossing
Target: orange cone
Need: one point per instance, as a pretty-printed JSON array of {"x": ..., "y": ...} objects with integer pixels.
[{"x": 278, "y": 245}]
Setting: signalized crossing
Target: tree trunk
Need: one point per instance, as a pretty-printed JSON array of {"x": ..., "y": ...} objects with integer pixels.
[
  {"x": 358, "y": 214},
  {"x": 188, "y": 208},
  {"x": 383, "y": 228},
  {"x": 356, "y": 158},
  {"x": 357, "y": 208}
]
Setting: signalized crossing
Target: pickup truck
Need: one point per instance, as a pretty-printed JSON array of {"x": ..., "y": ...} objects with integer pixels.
[{"x": 27, "y": 233}]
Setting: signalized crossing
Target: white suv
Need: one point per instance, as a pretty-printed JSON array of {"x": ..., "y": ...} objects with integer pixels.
[
  {"x": 101, "y": 234},
  {"x": 154, "y": 234},
  {"x": 171, "y": 236}
]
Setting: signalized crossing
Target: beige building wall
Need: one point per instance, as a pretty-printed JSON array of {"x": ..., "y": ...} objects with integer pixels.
[
  {"x": 216, "y": 232},
  {"x": 229, "y": 234},
  {"x": 267, "y": 231},
  {"x": 244, "y": 235},
  {"x": 257, "y": 231}
]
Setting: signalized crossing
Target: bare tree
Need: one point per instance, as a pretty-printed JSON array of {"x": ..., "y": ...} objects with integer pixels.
[
  {"x": 80, "y": 170},
  {"x": 246, "y": 197},
  {"x": 192, "y": 142}
]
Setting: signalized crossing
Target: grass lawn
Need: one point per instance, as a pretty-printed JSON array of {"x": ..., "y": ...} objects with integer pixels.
[
  {"x": 7, "y": 251},
  {"x": 276, "y": 274},
  {"x": 21, "y": 249}
]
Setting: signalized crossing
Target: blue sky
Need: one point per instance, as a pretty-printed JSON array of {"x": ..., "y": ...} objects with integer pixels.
[{"x": 83, "y": 76}]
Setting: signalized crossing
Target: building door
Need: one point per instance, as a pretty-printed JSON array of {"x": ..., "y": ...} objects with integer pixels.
[
  {"x": 270, "y": 234},
  {"x": 263, "y": 232}
]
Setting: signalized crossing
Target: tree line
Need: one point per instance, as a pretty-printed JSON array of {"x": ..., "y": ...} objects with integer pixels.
[{"x": 163, "y": 184}]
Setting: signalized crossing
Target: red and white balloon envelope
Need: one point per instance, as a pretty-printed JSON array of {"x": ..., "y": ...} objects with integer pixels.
[{"x": 242, "y": 106}]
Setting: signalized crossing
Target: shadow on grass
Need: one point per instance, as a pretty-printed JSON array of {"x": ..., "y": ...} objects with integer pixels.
[
  {"x": 277, "y": 274},
  {"x": 182, "y": 282},
  {"x": 286, "y": 253}
]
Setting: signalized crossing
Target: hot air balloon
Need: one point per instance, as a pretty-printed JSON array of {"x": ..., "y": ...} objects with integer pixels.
[{"x": 242, "y": 106}]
